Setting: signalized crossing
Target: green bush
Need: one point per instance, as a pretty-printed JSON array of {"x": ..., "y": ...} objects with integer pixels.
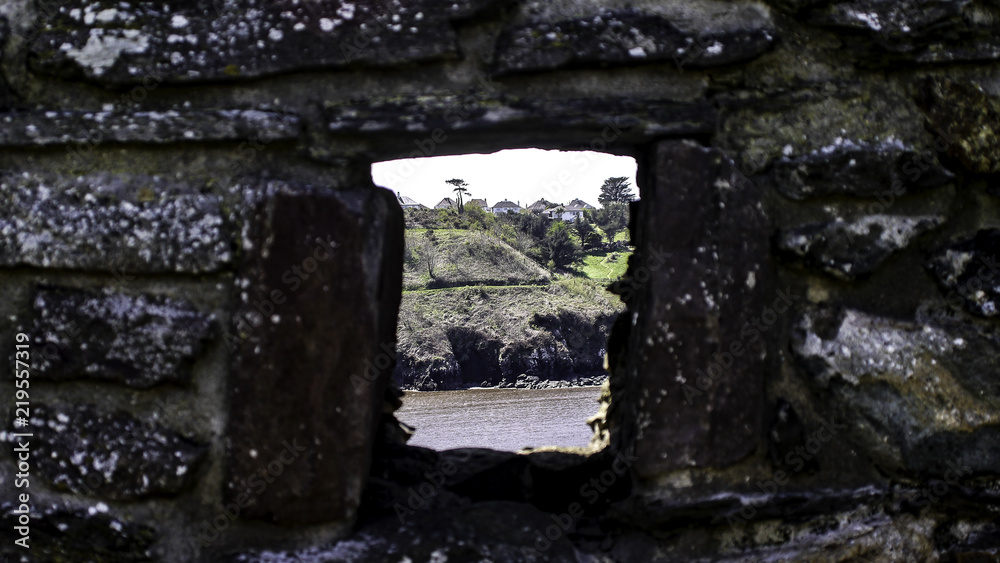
[{"x": 560, "y": 247}]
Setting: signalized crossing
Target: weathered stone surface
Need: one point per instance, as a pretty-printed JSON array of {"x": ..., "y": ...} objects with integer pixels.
[
  {"x": 969, "y": 268},
  {"x": 420, "y": 125},
  {"x": 916, "y": 398},
  {"x": 313, "y": 348},
  {"x": 111, "y": 455},
  {"x": 852, "y": 533},
  {"x": 968, "y": 118},
  {"x": 114, "y": 43},
  {"x": 485, "y": 531},
  {"x": 37, "y": 128},
  {"x": 140, "y": 341},
  {"x": 60, "y": 533},
  {"x": 768, "y": 128},
  {"x": 924, "y": 31},
  {"x": 965, "y": 540},
  {"x": 697, "y": 281},
  {"x": 852, "y": 249},
  {"x": 886, "y": 169},
  {"x": 6, "y": 97},
  {"x": 120, "y": 223},
  {"x": 787, "y": 432},
  {"x": 630, "y": 36}
]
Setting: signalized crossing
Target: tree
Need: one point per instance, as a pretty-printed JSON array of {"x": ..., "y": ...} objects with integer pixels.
[
  {"x": 560, "y": 246},
  {"x": 460, "y": 188},
  {"x": 612, "y": 218},
  {"x": 584, "y": 229},
  {"x": 429, "y": 252},
  {"x": 616, "y": 189}
]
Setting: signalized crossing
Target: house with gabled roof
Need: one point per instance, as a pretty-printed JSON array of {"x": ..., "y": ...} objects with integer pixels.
[
  {"x": 506, "y": 206},
  {"x": 409, "y": 203},
  {"x": 446, "y": 203},
  {"x": 480, "y": 203},
  {"x": 571, "y": 212},
  {"x": 541, "y": 205}
]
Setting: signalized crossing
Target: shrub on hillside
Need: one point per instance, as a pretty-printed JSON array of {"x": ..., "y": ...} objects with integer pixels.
[{"x": 560, "y": 247}]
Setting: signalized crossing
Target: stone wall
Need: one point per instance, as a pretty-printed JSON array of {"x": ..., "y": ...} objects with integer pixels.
[{"x": 209, "y": 281}]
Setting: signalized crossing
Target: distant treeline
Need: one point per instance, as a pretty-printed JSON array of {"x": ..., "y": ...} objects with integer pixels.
[{"x": 550, "y": 242}]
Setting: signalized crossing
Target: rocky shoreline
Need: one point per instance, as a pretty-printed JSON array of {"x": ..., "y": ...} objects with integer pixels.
[{"x": 525, "y": 381}]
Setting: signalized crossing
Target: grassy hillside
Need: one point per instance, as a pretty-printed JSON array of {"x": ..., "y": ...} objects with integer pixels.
[
  {"x": 605, "y": 266},
  {"x": 476, "y": 311},
  {"x": 438, "y": 258},
  {"x": 460, "y": 337}
]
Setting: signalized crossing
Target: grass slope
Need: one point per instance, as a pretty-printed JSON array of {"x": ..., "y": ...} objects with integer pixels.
[
  {"x": 604, "y": 266},
  {"x": 461, "y": 257}
]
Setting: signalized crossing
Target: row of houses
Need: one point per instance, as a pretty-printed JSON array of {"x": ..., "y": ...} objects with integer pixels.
[{"x": 569, "y": 212}]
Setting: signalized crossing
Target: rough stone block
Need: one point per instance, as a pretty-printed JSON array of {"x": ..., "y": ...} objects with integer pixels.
[
  {"x": 425, "y": 123},
  {"x": 917, "y": 398},
  {"x": 38, "y": 128},
  {"x": 140, "y": 341},
  {"x": 702, "y": 286},
  {"x": 314, "y": 335},
  {"x": 967, "y": 118},
  {"x": 768, "y": 128},
  {"x": 884, "y": 170},
  {"x": 62, "y": 533},
  {"x": 852, "y": 249},
  {"x": 119, "y": 223},
  {"x": 112, "y": 455},
  {"x": 129, "y": 43},
  {"x": 941, "y": 31},
  {"x": 630, "y": 36},
  {"x": 970, "y": 269}
]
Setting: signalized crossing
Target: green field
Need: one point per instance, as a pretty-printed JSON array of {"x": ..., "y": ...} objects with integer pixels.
[{"x": 604, "y": 266}]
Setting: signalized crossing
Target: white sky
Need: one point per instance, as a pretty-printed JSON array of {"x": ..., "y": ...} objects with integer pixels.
[{"x": 520, "y": 175}]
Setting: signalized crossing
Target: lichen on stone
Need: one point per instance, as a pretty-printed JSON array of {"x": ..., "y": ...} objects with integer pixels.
[
  {"x": 99, "y": 223},
  {"x": 141, "y": 341}
]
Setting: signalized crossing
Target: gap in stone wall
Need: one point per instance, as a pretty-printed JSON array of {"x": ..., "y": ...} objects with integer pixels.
[{"x": 505, "y": 314}]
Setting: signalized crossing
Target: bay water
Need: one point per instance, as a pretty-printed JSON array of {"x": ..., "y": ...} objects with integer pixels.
[{"x": 500, "y": 419}]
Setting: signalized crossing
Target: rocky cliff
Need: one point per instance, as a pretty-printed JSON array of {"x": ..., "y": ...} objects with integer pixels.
[
  {"x": 524, "y": 336},
  {"x": 479, "y": 313}
]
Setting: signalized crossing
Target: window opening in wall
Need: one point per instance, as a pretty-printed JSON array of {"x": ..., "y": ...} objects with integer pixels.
[{"x": 505, "y": 318}]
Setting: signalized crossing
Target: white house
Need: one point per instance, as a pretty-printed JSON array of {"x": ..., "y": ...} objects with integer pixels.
[
  {"x": 505, "y": 206},
  {"x": 570, "y": 212}
]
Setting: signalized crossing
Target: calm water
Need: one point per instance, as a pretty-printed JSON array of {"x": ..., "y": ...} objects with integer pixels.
[{"x": 501, "y": 419}]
